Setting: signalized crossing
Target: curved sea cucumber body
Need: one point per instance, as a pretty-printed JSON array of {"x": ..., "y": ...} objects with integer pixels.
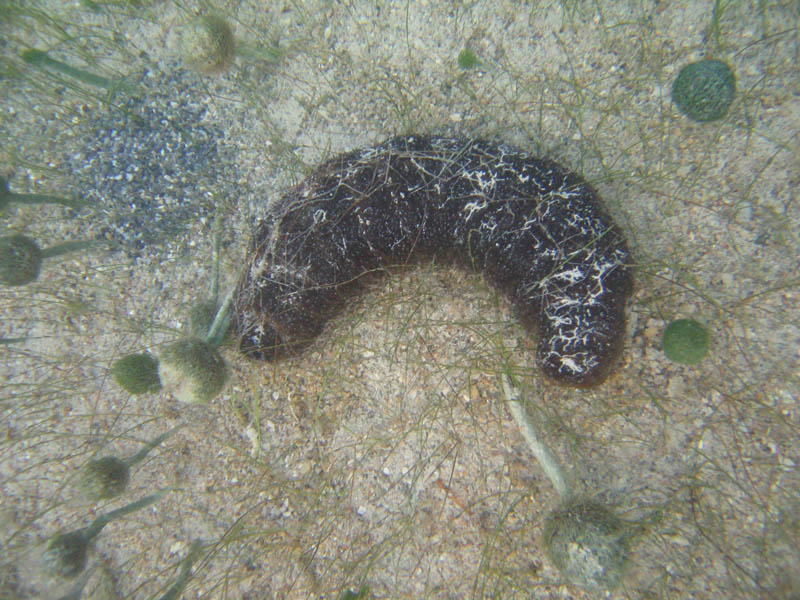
[{"x": 539, "y": 233}]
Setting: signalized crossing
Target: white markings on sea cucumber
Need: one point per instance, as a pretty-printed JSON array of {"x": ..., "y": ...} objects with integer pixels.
[
  {"x": 475, "y": 206},
  {"x": 320, "y": 216}
]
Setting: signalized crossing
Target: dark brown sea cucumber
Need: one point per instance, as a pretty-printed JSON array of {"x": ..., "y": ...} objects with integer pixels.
[{"x": 539, "y": 233}]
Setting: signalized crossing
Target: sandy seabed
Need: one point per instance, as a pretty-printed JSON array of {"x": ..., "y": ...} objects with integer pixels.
[{"x": 384, "y": 456}]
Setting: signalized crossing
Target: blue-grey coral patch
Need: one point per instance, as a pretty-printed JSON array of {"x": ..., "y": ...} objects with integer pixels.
[
  {"x": 149, "y": 162},
  {"x": 538, "y": 232}
]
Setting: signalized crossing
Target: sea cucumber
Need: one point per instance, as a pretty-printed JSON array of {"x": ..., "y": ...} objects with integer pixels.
[{"x": 538, "y": 232}]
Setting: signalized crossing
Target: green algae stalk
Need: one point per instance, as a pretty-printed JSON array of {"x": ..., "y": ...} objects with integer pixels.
[
  {"x": 40, "y": 58},
  {"x": 7, "y": 197},
  {"x": 222, "y": 320},
  {"x": 186, "y": 568}
]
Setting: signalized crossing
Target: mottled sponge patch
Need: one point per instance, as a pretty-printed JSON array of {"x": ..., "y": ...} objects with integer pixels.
[
  {"x": 150, "y": 162},
  {"x": 538, "y": 232}
]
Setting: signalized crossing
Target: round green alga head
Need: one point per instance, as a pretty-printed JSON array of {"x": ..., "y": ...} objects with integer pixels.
[
  {"x": 704, "y": 90},
  {"x": 467, "y": 59},
  {"x": 685, "y": 341},
  {"x": 20, "y": 260},
  {"x": 104, "y": 478},
  {"x": 207, "y": 44},
  {"x": 66, "y": 555},
  {"x": 137, "y": 374},
  {"x": 587, "y": 543},
  {"x": 192, "y": 370}
]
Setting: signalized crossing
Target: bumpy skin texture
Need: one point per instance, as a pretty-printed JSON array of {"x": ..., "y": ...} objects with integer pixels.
[{"x": 538, "y": 232}]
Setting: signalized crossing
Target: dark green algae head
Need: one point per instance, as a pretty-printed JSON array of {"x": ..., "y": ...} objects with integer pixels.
[
  {"x": 704, "y": 90},
  {"x": 20, "y": 260},
  {"x": 685, "y": 341}
]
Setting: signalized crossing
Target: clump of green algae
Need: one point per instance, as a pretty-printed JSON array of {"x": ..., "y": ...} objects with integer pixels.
[
  {"x": 685, "y": 341},
  {"x": 704, "y": 90},
  {"x": 107, "y": 477},
  {"x": 137, "y": 373},
  {"x": 208, "y": 44},
  {"x": 21, "y": 257},
  {"x": 66, "y": 554}
]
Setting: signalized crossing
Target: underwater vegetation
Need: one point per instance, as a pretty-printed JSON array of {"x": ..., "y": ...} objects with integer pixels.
[
  {"x": 66, "y": 554},
  {"x": 176, "y": 588},
  {"x": 207, "y": 44},
  {"x": 704, "y": 90},
  {"x": 201, "y": 317},
  {"x": 7, "y": 197},
  {"x": 21, "y": 257},
  {"x": 40, "y": 58},
  {"x": 685, "y": 341},
  {"x": 467, "y": 59},
  {"x": 192, "y": 368},
  {"x": 586, "y": 541},
  {"x": 137, "y": 373},
  {"x": 107, "y": 477}
]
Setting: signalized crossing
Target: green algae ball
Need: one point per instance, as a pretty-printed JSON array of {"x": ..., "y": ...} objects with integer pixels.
[
  {"x": 685, "y": 341},
  {"x": 20, "y": 260},
  {"x": 588, "y": 544},
  {"x": 467, "y": 59},
  {"x": 66, "y": 554},
  {"x": 137, "y": 374},
  {"x": 704, "y": 90},
  {"x": 192, "y": 370},
  {"x": 104, "y": 478},
  {"x": 207, "y": 44}
]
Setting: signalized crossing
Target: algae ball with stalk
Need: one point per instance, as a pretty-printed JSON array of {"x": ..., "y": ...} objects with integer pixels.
[
  {"x": 21, "y": 257},
  {"x": 66, "y": 554},
  {"x": 192, "y": 368},
  {"x": 203, "y": 313},
  {"x": 107, "y": 477},
  {"x": 584, "y": 539}
]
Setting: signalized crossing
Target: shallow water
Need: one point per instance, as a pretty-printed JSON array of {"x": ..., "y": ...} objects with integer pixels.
[{"x": 382, "y": 458}]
